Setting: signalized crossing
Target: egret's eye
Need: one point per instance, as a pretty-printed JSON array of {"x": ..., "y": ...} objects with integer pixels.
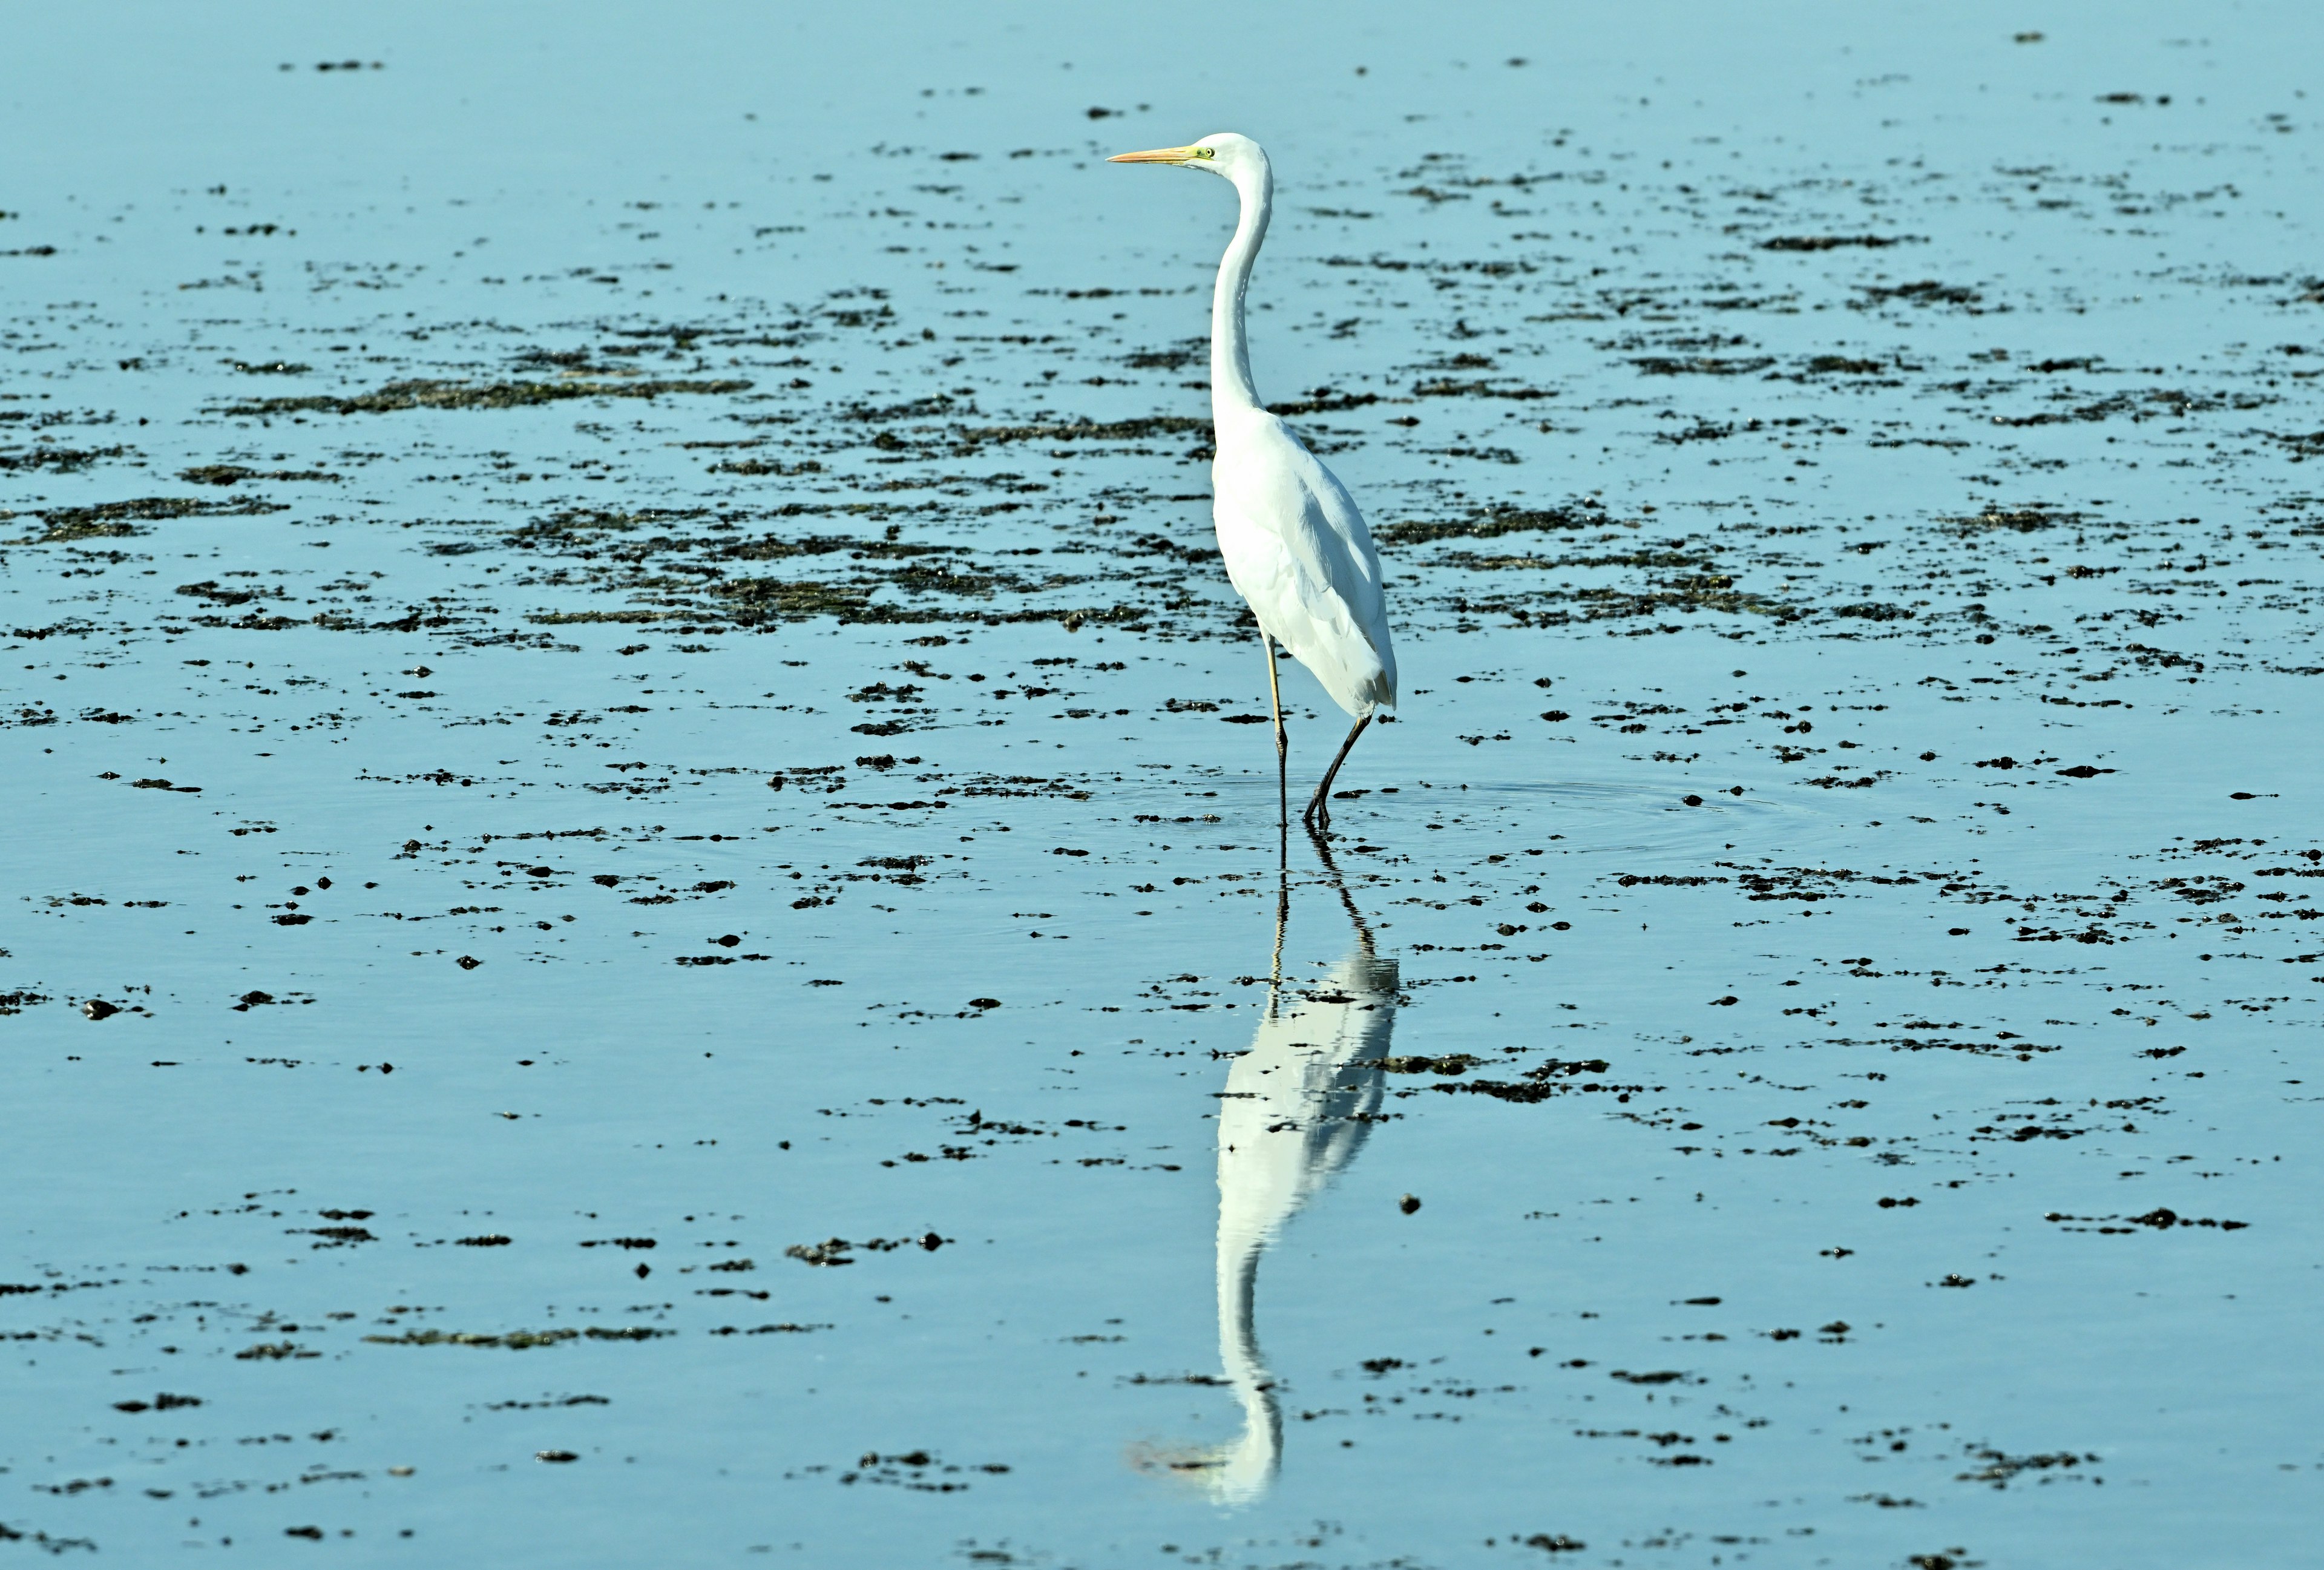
[{"x": 1207, "y": 153}]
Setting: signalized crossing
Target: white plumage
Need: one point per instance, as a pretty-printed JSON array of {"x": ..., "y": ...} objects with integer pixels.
[{"x": 1296, "y": 548}]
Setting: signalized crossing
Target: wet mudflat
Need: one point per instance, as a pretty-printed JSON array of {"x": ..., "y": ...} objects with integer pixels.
[{"x": 648, "y": 596}]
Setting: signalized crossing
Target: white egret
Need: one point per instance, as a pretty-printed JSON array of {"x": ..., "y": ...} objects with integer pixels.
[{"x": 1294, "y": 545}]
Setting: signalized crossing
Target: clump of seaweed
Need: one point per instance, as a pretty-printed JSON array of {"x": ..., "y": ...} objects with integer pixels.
[
  {"x": 1497, "y": 519},
  {"x": 423, "y": 393},
  {"x": 117, "y": 520}
]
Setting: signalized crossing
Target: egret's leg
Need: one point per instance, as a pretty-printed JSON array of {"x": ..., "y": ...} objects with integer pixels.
[
  {"x": 1318, "y": 815},
  {"x": 1282, "y": 753}
]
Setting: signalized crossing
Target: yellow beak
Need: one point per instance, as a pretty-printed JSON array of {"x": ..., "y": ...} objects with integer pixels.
[{"x": 1158, "y": 155}]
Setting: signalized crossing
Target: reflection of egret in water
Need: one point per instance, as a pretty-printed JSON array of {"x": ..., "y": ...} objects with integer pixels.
[{"x": 1297, "y": 1110}]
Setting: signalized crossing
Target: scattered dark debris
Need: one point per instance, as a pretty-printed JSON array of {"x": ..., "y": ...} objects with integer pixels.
[
  {"x": 1834, "y": 242},
  {"x": 835, "y": 1250},
  {"x": 117, "y": 520},
  {"x": 235, "y": 473},
  {"x": 1494, "y": 521},
  {"x": 2160, "y": 1219},
  {"x": 432, "y": 394},
  {"x": 515, "y": 1340},
  {"x": 2001, "y": 1469}
]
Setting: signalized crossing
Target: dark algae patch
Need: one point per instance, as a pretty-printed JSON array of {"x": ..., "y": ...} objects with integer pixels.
[
  {"x": 119, "y": 520},
  {"x": 422, "y": 394}
]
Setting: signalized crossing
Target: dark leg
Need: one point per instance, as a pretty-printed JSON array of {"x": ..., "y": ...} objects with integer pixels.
[
  {"x": 1318, "y": 816},
  {"x": 1282, "y": 757}
]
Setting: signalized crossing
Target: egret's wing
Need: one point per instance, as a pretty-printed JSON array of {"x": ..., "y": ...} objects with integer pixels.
[
  {"x": 1298, "y": 549},
  {"x": 1336, "y": 534},
  {"x": 1272, "y": 489}
]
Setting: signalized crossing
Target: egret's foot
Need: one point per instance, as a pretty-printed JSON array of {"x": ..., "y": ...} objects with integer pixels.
[{"x": 1318, "y": 816}]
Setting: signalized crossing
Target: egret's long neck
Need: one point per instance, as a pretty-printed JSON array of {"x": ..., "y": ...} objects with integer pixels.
[{"x": 1231, "y": 387}]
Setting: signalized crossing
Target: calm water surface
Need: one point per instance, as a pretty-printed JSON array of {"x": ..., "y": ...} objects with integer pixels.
[{"x": 642, "y": 581}]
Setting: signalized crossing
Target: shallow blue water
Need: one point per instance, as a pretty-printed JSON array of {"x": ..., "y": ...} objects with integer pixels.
[{"x": 1883, "y": 1158}]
